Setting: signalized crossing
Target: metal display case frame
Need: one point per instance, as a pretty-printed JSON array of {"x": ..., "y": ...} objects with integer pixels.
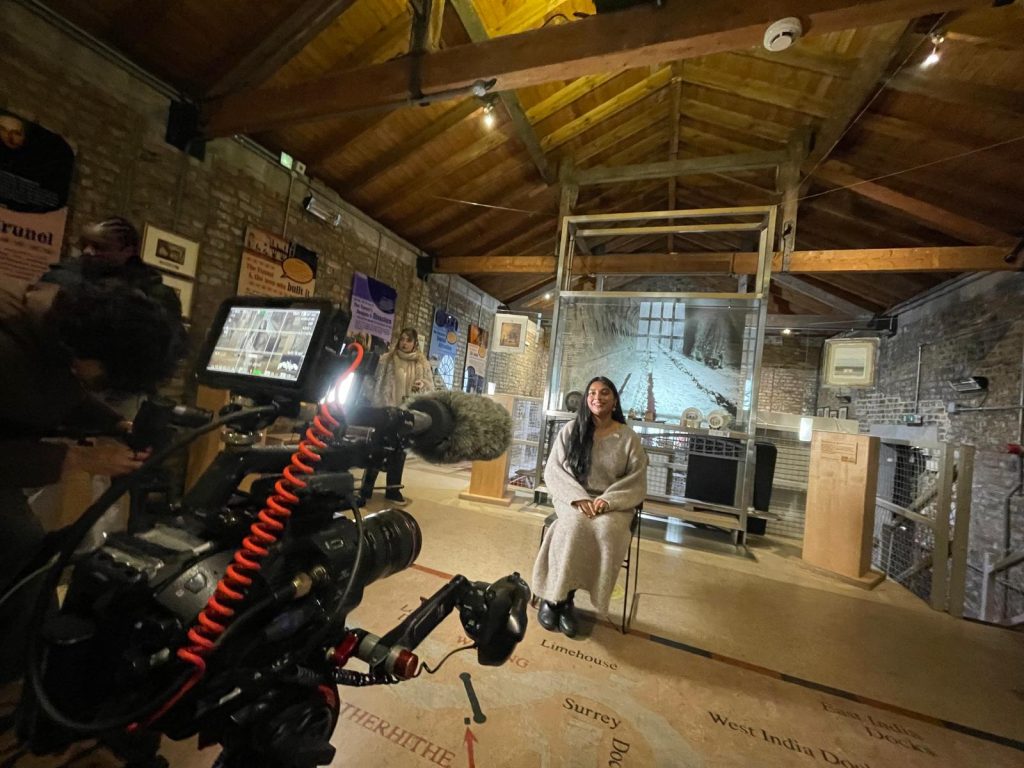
[{"x": 751, "y": 220}]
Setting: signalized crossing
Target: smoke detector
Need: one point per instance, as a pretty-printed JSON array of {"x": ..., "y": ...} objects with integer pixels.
[{"x": 782, "y": 34}]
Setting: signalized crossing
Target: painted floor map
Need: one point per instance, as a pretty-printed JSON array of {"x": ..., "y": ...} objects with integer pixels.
[{"x": 607, "y": 700}]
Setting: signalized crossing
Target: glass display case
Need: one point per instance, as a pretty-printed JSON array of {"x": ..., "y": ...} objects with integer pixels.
[
  {"x": 669, "y": 356},
  {"x": 686, "y": 364}
]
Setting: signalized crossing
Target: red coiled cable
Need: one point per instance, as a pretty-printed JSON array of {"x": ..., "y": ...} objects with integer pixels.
[{"x": 215, "y": 617}]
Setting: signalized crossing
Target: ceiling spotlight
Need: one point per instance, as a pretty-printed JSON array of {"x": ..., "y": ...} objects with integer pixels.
[
  {"x": 489, "y": 117},
  {"x": 933, "y": 58},
  {"x": 547, "y": 296},
  {"x": 787, "y": 331}
]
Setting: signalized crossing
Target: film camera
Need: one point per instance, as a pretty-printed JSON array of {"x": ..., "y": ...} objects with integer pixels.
[{"x": 224, "y": 616}]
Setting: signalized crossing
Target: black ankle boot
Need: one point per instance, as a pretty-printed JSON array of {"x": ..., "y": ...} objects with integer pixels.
[
  {"x": 567, "y": 616},
  {"x": 547, "y": 615}
]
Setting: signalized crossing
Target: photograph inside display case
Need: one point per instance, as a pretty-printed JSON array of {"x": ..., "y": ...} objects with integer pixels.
[{"x": 665, "y": 355}]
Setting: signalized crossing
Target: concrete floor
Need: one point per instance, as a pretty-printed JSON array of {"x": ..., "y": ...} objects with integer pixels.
[{"x": 735, "y": 658}]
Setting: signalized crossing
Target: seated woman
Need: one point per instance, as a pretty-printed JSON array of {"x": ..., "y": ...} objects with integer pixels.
[{"x": 596, "y": 475}]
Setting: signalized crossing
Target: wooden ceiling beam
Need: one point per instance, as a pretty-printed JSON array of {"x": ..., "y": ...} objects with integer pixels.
[
  {"x": 390, "y": 201},
  {"x": 611, "y": 138},
  {"x": 288, "y": 35},
  {"x": 673, "y": 145},
  {"x": 868, "y": 289},
  {"x": 497, "y": 187},
  {"x": 802, "y": 57},
  {"x": 381, "y": 164},
  {"x": 842, "y": 222},
  {"x": 635, "y": 94},
  {"x": 807, "y": 305},
  {"x": 744, "y": 161},
  {"x": 968, "y": 94},
  {"x": 636, "y": 37},
  {"x": 701, "y": 111},
  {"x": 954, "y": 259},
  {"x": 873, "y": 63},
  {"x": 571, "y": 93},
  {"x": 823, "y": 295},
  {"x": 524, "y": 130},
  {"x": 760, "y": 91},
  {"x": 937, "y": 218}
]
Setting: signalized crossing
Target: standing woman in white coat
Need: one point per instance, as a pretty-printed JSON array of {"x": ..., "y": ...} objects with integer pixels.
[
  {"x": 401, "y": 373},
  {"x": 596, "y": 474}
]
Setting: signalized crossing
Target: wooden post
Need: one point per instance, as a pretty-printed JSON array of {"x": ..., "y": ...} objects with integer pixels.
[{"x": 840, "y": 516}]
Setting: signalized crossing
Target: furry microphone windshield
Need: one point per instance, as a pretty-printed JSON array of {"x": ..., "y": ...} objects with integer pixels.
[{"x": 463, "y": 428}]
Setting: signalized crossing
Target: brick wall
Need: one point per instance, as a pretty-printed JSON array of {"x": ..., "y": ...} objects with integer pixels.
[
  {"x": 975, "y": 330},
  {"x": 116, "y": 122},
  {"x": 523, "y": 373},
  {"x": 789, "y": 374}
]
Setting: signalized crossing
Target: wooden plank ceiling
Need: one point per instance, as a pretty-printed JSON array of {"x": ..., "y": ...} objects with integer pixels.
[{"x": 900, "y": 171}]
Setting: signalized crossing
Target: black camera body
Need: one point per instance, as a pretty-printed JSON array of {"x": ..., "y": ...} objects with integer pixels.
[{"x": 225, "y": 615}]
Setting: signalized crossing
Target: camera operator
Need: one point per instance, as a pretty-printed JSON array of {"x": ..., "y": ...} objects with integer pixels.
[
  {"x": 57, "y": 345},
  {"x": 110, "y": 249}
]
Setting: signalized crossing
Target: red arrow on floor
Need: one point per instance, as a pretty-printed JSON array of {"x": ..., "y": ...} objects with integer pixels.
[{"x": 469, "y": 739}]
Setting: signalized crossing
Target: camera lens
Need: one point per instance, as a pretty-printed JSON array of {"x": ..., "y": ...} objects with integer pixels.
[{"x": 392, "y": 542}]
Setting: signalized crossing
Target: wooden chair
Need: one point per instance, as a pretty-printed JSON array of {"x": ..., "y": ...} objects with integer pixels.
[{"x": 631, "y": 563}]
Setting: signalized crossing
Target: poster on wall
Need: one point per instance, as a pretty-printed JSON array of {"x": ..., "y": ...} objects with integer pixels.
[
  {"x": 35, "y": 175},
  {"x": 475, "y": 375},
  {"x": 274, "y": 266},
  {"x": 443, "y": 339},
  {"x": 373, "y": 311},
  {"x": 510, "y": 333}
]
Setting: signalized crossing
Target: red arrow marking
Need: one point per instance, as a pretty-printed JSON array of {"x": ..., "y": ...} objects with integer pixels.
[{"x": 469, "y": 739}]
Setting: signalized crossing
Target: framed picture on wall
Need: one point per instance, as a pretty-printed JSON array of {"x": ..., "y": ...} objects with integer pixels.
[
  {"x": 169, "y": 252},
  {"x": 183, "y": 288},
  {"x": 822, "y": 412},
  {"x": 833, "y": 413},
  {"x": 850, "y": 362},
  {"x": 509, "y": 334},
  {"x": 844, "y": 412}
]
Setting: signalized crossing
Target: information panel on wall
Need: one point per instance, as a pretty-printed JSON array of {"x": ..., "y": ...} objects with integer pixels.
[
  {"x": 35, "y": 176},
  {"x": 443, "y": 339},
  {"x": 274, "y": 266},
  {"x": 475, "y": 376},
  {"x": 373, "y": 311}
]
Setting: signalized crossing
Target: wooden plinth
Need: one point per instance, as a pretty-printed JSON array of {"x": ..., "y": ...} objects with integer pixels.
[
  {"x": 504, "y": 501},
  {"x": 489, "y": 479},
  {"x": 840, "y": 515},
  {"x": 867, "y": 581}
]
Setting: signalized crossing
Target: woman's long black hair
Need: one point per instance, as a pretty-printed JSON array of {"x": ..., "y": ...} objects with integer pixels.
[{"x": 581, "y": 439}]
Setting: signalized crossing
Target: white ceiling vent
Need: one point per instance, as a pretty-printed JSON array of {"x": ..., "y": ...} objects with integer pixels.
[{"x": 782, "y": 34}]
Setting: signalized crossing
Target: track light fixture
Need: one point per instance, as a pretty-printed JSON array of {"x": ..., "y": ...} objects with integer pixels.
[
  {"x": 489, "y": 118},
  {"x": 932, "y": 58}
]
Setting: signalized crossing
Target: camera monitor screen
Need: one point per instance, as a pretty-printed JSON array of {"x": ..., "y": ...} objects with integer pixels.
[
  {"x": 265, "y": 342},
  {"x": 271, "y": 346}
]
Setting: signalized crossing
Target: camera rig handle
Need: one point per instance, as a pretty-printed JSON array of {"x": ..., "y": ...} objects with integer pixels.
[{"x": 493, "y": 615}]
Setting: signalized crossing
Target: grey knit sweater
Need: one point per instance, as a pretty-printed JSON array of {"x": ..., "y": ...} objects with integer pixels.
[{"x": 577, "y": 552}]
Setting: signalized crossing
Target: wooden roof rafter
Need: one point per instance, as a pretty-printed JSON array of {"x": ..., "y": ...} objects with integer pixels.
[
  {"x": 937, "y": 218},
  {"x": 632, "y": 38},
  {"x": 287, "y": 37},
  {"x": 524, "y": 130}
]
